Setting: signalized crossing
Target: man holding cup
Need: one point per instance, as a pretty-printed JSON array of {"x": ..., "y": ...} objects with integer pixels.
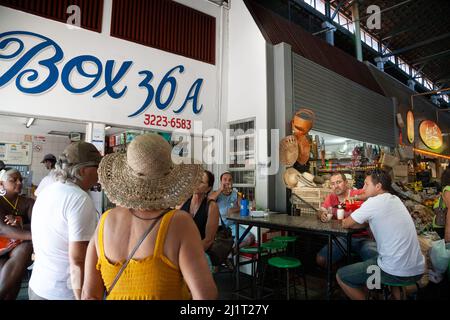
[
  {"x": 229, "y": 201},
  {"x": 361, "y": 243}
]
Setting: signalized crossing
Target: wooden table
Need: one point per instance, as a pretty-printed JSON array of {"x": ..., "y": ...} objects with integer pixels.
[{"x": 297, "y": 224}]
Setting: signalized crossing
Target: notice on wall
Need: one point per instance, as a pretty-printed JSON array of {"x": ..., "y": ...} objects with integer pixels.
[
  {"x": 16, "y": 153},
  {"x": 39, "y": 139}
]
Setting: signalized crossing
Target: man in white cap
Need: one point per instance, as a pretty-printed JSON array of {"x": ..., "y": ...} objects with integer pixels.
[
  {"x": 64, "y": 220},
  {"x": 49, "y": 162}
]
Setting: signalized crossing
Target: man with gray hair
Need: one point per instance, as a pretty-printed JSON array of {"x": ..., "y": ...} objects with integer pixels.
[{"x": 64, "y": 220}]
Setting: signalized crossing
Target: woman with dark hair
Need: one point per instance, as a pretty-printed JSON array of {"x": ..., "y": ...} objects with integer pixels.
[
  {"x": 15, "y": 235},
  {"x": 204, "y": 211},
  {"x": 444, "y": 202}
]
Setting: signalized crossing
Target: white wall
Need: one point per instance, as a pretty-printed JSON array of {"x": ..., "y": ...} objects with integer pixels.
[
  {"x": 52, "y": 144},
  {"x": 221, "y": 13},
  {"x": 247, "y": 79},
  {"x": 247, "y": 67},
  {"x": 57, "y": 102}
]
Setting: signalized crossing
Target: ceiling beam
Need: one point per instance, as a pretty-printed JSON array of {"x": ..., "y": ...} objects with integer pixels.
[
  {"x": 399, "y": 31},
  {"x": 443, "y": 80},
  {"x": 443, "y": 75},
  {"x": 418, "y": 73},
  {"x": 336, "y": 10},
  {"x": 418, "y": 45},
  {"x": 434, "y": 56}
]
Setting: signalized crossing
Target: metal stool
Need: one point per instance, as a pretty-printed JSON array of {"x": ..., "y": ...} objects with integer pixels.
[
  {"x": 255, "y": 252},
  {"x": 288, "y": 263},
  {"x": 387, "y": 288}
]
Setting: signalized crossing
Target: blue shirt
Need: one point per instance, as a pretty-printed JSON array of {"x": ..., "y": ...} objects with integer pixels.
[{"x": 227, "y": 202}]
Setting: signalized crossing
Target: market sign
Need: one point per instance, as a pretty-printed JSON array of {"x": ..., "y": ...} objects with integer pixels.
[
  {"x": 49, "y": 70},
  {"x": 430, "y": 134},
  {"x": 410, "y": 126}
]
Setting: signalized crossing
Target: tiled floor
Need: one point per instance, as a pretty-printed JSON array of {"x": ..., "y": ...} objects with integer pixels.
[
  {"x": 316, "y": 288},
  {"x": 316, "y": 284},
  {"x": 225, "y": 281}
]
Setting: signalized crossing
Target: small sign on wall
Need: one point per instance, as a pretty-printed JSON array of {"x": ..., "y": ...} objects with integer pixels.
[
  {"x": 16, "y": 153},
  {"x": 431, "y": 134},
  {"x": 40, "y": 139}
]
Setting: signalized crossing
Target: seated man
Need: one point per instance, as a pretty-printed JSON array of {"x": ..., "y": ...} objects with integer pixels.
[
  {"x": 361, "y": 243},
  {"x": 228, "y": 200},
  {"x": 15, "y": 235},
  {"x": 400, "y": 259}
]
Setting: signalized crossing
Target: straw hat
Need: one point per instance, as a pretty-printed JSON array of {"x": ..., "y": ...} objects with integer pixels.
[
  {"x": 288, "y": 150},
  {"x": 291, "y": 177},
  {"x": 308, "y": 176},
  {"x": 145, "y": 178},
  {"x": 319, "y": 180},
  {"x": 307, "y": 179}
]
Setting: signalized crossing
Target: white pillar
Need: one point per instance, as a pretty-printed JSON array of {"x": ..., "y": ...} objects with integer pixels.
[
  {"x": 380, "y": 62},
  {"x": 329, "y": 34},
  {"x": 355, "y": 14}
]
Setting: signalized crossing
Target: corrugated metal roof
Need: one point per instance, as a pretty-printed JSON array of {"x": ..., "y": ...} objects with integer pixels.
[{"x": 276, "y": 29}]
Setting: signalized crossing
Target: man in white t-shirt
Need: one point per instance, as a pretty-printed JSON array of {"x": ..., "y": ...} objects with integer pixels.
[
  {"x": 64, "y": 220},
  {"x": 49, "y": 162},
  {"x": 399, "y": 258}
]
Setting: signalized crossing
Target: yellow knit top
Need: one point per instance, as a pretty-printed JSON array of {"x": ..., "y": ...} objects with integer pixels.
[{"x": 152, "y": 278}]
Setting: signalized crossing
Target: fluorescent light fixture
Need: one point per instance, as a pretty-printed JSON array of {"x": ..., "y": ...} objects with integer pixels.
[
  {"x": 29, "y": 122},
  {"x": 107, "y": 127}
]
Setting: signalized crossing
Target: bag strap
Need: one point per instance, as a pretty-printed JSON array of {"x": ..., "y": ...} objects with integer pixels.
[{"x": 130, "y": 256}]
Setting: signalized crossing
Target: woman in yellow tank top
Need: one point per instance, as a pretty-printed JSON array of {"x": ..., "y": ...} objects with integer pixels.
[{"x": 170, "y": 263}]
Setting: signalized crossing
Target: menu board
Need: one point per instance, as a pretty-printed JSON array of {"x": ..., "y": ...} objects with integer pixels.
[{"x": 16, "y": 153}]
